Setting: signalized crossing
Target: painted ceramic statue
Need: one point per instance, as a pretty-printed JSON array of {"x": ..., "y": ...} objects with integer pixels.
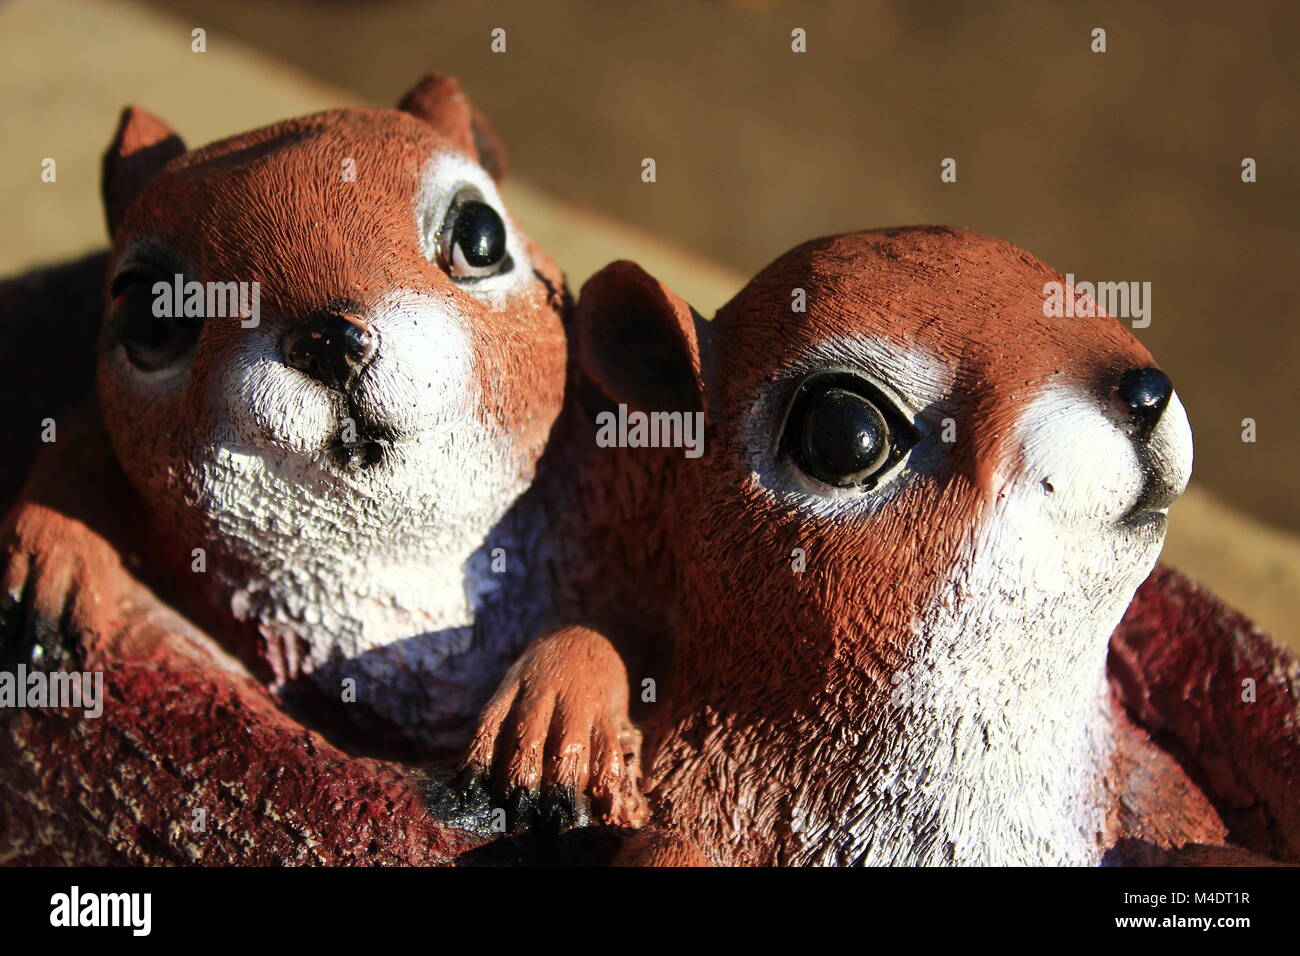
[{"x": 893, "y": 576}]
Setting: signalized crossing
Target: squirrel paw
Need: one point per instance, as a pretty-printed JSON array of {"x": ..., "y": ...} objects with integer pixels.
[
  {"x": 40, "y": 596},
  {"x": 65, "y": 598},
  {"x": 555, "y": 746}
]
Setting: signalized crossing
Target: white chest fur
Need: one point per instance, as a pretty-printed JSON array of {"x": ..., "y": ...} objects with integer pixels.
[
  {"x": 389, "y": 602},
  {"x": 996, "y": 740},
  {"x": 984, "y": 755},
  {"x": 388, "y": 574}
]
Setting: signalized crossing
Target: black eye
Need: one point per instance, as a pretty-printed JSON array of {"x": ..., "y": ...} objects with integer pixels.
[
  {"x": 145, "y": 323},
  {"x": 474, "y": 240},
  {"x": 840, "y": 432}
]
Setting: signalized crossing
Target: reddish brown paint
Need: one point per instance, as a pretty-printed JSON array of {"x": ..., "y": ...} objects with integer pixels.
[
  {"x": 79, "y": 557},
  {"x": 750, "y": 648},
  {"x": 563, "y": 708},
  {"x": 338, "y": 240},
  {"x": 181, "y": 730},
  {"x": 1178, "y": 662},
  {"x": 65, "y": 551}
]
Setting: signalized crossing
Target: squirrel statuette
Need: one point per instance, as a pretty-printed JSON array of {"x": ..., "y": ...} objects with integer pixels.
[
  {"x": 329, "y": 364},
  {"x": 891, "y": 579}
]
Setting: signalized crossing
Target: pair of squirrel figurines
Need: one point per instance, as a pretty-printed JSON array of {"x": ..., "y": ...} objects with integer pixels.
[{"x": 325, "y": 555}]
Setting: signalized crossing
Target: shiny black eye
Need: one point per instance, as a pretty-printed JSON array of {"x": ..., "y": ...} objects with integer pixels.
[
  {"x": 146, "y": 323},
  {"x": 474, "y": 240},
  {"x": 842, "y": 433}
]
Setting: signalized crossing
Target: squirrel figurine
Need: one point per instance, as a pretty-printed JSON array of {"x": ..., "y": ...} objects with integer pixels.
[
  {"x": 328, "y": 367},
  {"x": 891, "y": 579},
  {"x": 330, "y": 485},
  {"x": 326, "y": 482}
]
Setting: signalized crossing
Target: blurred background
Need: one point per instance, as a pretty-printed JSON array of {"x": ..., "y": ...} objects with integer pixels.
[{"x": 1116, "y": 166}]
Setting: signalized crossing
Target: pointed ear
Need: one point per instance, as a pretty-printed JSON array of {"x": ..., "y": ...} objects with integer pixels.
[
  {"x": 141, "y": 146},
  {"x": 440, "y": 102},
  {"x": 637, "y": 341}
]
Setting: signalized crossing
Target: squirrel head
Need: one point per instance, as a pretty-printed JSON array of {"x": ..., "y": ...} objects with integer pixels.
[
  {"x": 898, "y": 442},
  {"x": 329, "y": 327}
]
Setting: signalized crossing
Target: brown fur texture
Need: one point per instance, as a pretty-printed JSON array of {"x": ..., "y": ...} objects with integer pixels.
[
  {"x": 765, "y": 678},
  {"x": 94, "y": 579},
  {"x": 560, "y": 723},
  {"x": 656, "y": 847},
  {"x": 76, "y": 564},
  {"x": 611, "y": 571},
  {"x": 1180, "y": 663},
  {"x": 192, "y": 761},
  {"x": 354, "y": 247}
]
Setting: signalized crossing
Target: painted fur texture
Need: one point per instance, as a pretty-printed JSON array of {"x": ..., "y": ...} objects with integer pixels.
[
  {"x": 332, "y": 516},
  {"x": 908, "y": 666},
  {"x": 311, "y": 495}
]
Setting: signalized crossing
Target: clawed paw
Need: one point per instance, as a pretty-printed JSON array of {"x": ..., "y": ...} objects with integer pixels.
[
  {"x": 555, "y": 747},
  {"x": 66, "y": 597},
  {"x": 37, "y": 599}
]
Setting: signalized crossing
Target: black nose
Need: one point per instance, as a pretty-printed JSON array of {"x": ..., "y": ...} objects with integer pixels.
[
  {"x": 332, "y": 348},
  {"x": 1145, "y": 392}
]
